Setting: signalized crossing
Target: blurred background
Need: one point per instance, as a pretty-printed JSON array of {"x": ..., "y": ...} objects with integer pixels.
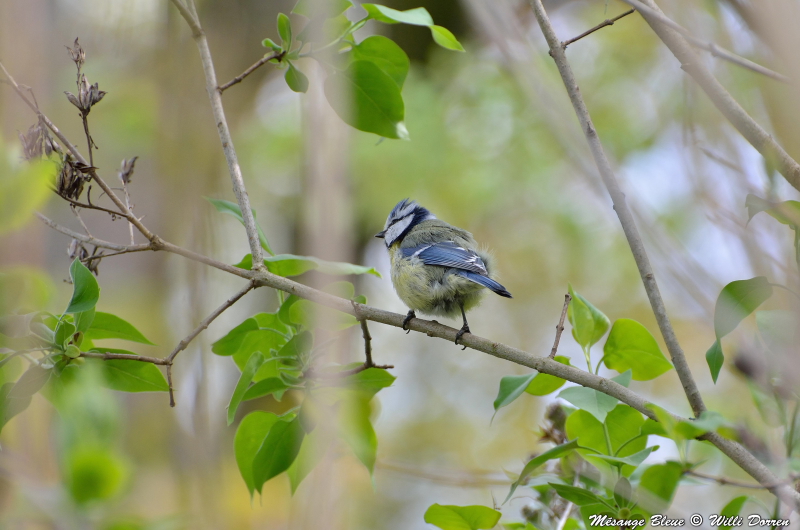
[{"x": 495, "y": 148}]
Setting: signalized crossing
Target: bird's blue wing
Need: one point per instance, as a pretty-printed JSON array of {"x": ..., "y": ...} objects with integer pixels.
[
  {"x": 448, "y": 254},
  {"x": 467, "y": 263}
]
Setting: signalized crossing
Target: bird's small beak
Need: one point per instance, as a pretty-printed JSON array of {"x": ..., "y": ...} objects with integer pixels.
[{"x": 381, "y": 234}]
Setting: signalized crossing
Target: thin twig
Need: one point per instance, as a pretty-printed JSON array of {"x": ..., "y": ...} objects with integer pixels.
[
  {"x": 209, "y": 319},
  {"x": 93, "y": 240},
  {"x": 733, "y": 450},
  {"x": 258, "y": 64},
  {"x": 652, "y": 12},
  {"x": 729, "y": 482},
  {"x": 80, "y": 219},
  {"x": 89, "y": 206},
  {"x": 676, "y": 39},
  {"x": 607, "y": 22},
  {"x": 169, "y": 384},
  {"x": 560, "y": 326},
  {"x": 126, "y": 357},
  {"x": 188, "y": 12}
]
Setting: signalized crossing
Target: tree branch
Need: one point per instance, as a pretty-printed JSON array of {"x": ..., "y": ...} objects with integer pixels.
[
  {"x": 258, "y": 64},
  {"x": 676, "y": 41},
  {"x": 733, "y": 450},
  {"x": 623, "y": 212},
  {"x": 606, "y": 22},
  {"x": 93, "y": 240},
  {"x": 560, "y": 326},
  {"x": 652, "y": 12},
  {"x": 215, "y": 96},
  {"x": 728, "y": 482}
]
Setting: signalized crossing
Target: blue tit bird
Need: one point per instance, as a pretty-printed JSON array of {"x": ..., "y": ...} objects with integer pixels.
[{"x": 437, "y": 268}]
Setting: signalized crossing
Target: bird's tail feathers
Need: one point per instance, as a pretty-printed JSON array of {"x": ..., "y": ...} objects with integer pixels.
[{"x": 485, "y": 281}]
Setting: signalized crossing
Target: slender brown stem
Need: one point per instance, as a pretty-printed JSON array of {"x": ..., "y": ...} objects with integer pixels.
[
  {"x": 125, "y": 357},
  {"x": 607, "y": 22},
  {"x": 93, "y": 240},
  {"x": 209, "y": 319},
  {"x": 92, "y": 207},
  {"x": 258, "y": 64},
  {"x": 652, "y": 13},
  {"x": 560, "y": 326},
  {"x": 676, "y": 39},
  {"x": 729, "y": 482}
]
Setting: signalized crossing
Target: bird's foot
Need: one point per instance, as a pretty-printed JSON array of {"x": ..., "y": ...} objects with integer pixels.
[
  {"x": 464, "y": 329},
  {"x": 411, "y": 314}
]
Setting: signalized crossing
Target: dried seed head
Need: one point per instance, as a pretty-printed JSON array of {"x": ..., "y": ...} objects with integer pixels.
[
  {"x": 71, "y": 177},
  {"x": 72, "y": 99},
  {"x": 77, "y": 54},
  {"x": 37, "y": 141},
  {"x": 126, "y": 169}
]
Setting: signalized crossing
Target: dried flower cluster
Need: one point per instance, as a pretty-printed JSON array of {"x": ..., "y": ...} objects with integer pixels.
[
  {"x": 37, "y": 142},
  {"x": 88, "y": 95}
]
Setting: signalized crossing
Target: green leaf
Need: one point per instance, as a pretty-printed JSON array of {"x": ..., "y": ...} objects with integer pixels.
[
  {"x": 445, "y": 38},
  {"x": 133, "y": 376},
  {"x": 369, "y": 381},
  {"x": 108, "y": 326},
  {"x": 595, "y": 403},
  {"x": 588, "y": 431},
  {"x": 93, "y": 473},
  {"x": 15, "y": 397},
  {"x": 271, "y": 44},
  {"x": 356, "y": 429},
  {"x": 786, "y": 212},
  {"x": 449, "y": 517},
  {"x": 232, "y": 209},
  {"x": 64, "y": 333},
  {"x": 311, "y": 315},
  {"x": 732, "y": 509},
  {"x": 84, "y": 319},
  {"x": 375, "y": 104},
  {"x": 418, "y": 16},
  {"x": 253, "y": 364},
  {"x": 296, "y": 79},
  {"x": 511, "y": 387},
  {"x": 589, "y": 324},
  {"x": 385, "y": 54},
  {"x": 737, "y": 300},
  {"x": 250, "y": 435},
  {"x": 556, "y": 452},
  {"x": 715, "y": 358},
  {"x": 278, "y": 451},
  {"x": 312, "y": 451},
  {"x": 270, "y": 385},
  {"x": 285, "y": 31},
  {"x": 544, "y": 384},
  {"x": 631, "y": 347},
  {"x": 634, "y": 460},
  {"x": 578, "y": 496},
  {"x": 657, "y": 486},
  {"x": 85, "y": 290},
  {"x": 264, "y": 331}
]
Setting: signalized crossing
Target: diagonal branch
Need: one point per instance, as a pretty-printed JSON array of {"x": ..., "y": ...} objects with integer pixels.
[
  {"x": 215, "y": 96},
  {"x": 258, "y": 64},
  {"x": 623, "y": 212},
  {"x": 676, "y": 41},
  {"x": 606, "y": 22},
  {"x": 733, "y": 450},
  {"x": 652, "y": 12}
]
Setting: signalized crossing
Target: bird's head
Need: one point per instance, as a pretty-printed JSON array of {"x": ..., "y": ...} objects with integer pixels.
[{"x": 403, "y": 218}]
